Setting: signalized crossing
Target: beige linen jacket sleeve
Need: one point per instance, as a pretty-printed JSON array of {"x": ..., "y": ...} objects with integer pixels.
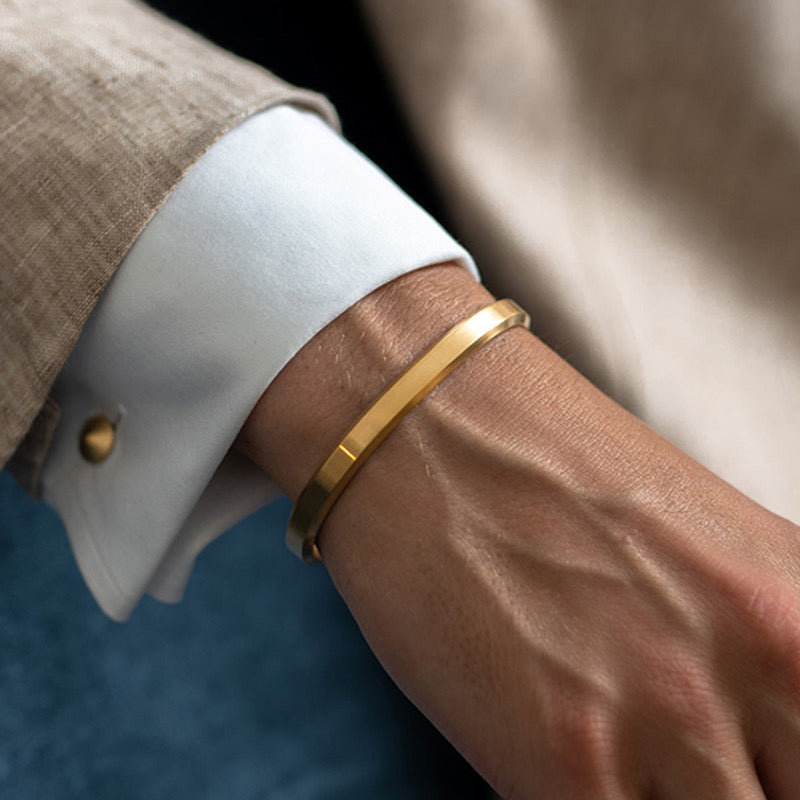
[{"x": 104, "y": 106}]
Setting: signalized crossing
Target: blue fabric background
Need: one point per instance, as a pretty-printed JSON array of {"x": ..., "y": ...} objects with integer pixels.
[{"x": 258, "y": 685}]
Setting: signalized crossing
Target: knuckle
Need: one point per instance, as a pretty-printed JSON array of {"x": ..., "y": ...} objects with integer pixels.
[
  {"x": 773, "y": 615},
  {"x": 586, "y": 744},
  {"x": 686, "y": 696}
]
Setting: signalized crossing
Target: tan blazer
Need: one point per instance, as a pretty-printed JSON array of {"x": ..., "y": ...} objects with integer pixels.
[{"x": 104, "y": 105}]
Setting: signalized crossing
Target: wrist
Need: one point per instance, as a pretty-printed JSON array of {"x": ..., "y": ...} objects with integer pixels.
[{"x": 317, "y": 396}]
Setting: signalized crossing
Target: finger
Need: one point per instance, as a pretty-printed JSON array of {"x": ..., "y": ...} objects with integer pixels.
[
  {"x": 709, "y": 773},
  {"x": 701, "y": 789},
  {"x": 778, "y": 760}
]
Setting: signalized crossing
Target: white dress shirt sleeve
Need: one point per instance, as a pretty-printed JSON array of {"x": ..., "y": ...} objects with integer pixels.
[{"x": 277, "y": 230}]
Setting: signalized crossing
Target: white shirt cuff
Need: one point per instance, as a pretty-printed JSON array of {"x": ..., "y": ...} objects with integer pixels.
[{"x": 277, "y": 230}]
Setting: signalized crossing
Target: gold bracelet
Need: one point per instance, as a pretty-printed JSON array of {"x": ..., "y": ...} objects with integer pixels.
[{"x": 378, "y": 421}]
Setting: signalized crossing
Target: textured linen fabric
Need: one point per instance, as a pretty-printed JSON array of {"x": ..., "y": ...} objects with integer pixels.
[
  {"x": 273, "y": 233},
  {"x": 104, "y": 105},
  {"x": 629, "y": 171}
]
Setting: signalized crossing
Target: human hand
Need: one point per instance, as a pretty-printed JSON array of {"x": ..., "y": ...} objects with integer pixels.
[{"x": 582, "y": 609}]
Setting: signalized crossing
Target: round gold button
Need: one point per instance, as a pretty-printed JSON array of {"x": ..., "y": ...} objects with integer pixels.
[{"x": 97, "y": 439}]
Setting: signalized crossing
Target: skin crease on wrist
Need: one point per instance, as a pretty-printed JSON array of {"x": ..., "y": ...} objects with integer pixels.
[{"x": 583, "y": 610}]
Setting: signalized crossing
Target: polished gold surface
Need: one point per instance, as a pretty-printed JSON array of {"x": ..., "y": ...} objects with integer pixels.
[
  {"x": 97, "y": 439},
  {"x": 375, "y": 424}
]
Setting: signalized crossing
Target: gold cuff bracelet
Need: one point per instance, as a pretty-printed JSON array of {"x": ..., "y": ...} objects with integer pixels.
[{"x": 375, "y": 424}]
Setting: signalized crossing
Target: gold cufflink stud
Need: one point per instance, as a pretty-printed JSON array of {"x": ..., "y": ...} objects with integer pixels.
[{"x": 97, "y": 439}]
